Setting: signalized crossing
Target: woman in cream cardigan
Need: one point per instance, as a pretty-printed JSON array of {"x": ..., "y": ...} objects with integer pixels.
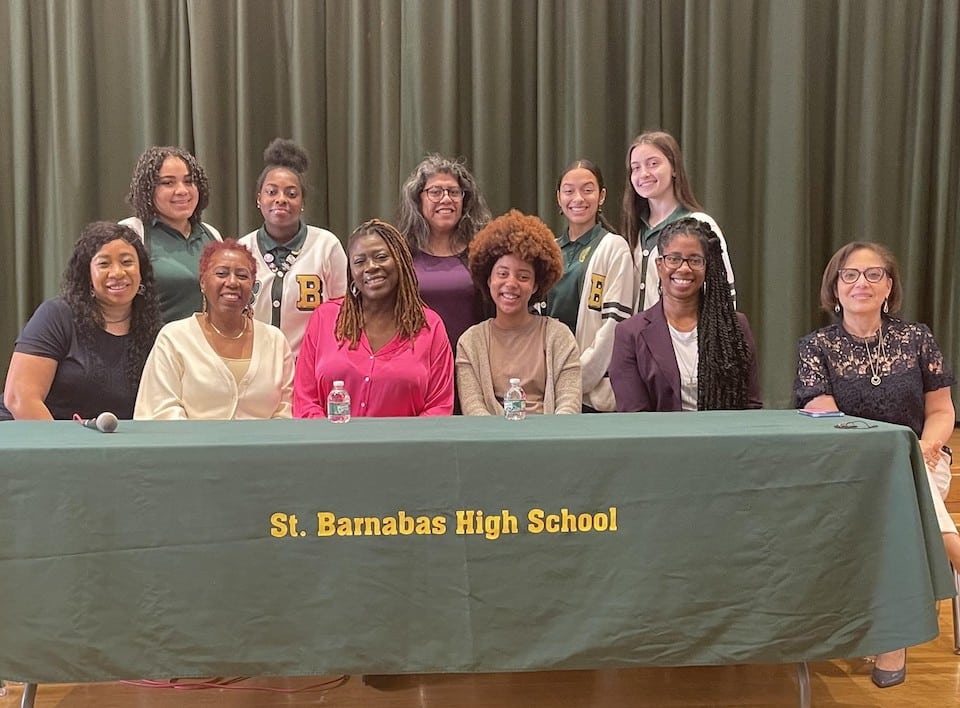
[
  {"x": 515, "y": 258},
  {"x": 220, "y": 363}
]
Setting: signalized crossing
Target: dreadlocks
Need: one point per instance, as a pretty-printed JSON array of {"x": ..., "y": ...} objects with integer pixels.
[
  {"x": 408, "y": 310},
  {"x": 723, "y": 358}
]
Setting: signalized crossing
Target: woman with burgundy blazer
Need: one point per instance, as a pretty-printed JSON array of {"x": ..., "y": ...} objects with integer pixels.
[{"x": 692, "y": 350}]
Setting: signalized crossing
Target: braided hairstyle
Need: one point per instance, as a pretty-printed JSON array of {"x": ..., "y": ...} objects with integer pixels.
[
  {"x": 76, "y": 289},
  {"x": 288, "y": 155},
  {"x": 723, "y": 360},
  {"x": 146, "y": 176},
  {"x": 474, "y": 215},
  {"x": 408, "y": 310}
]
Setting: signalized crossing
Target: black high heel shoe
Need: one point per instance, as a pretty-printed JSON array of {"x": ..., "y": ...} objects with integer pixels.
[{"x": 885, "y": 679}]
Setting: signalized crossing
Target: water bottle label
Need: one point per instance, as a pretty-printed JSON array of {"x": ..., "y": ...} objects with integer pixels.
[
  {"x": 338, "y": 409},
  {"x": 513, "y": 407}
]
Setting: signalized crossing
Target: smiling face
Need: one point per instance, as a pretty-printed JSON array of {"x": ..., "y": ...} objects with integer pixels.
[
  {"x": 281, "y": 202},
  {"x": 682, "y": 282},
  {"x": 373, "y": 268},
  {"x": 512, "y": 283},
  {"x": 227, "y": 282},
  {"x": 443, "y": 216},
  {"x": 651, "y": 173},
  {"x": 115, "y": 274},
  {"x": 176, "y": 195},
  {"x": 579, "y": 198},
  {"x": 862, "y": 297}
]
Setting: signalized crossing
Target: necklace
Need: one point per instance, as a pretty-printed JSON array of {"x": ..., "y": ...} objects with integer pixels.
[
  {"x": 122, "y": 319},
  {"x": 228, "y": 336},
  {"x": 877, "y": 353}
]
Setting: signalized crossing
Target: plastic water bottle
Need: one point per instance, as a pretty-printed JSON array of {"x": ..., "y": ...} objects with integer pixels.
[
  {"x": 338, "y": 404},
  {"x": 515, "y": 401}
]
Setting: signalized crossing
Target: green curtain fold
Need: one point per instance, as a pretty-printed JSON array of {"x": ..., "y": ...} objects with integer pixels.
[{"x": 804, "y": 123}]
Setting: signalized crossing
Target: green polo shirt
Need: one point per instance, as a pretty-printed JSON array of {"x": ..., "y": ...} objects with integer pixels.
[
  {"x": 176, "y": 267},
  {"x": 563, "y": 301}
]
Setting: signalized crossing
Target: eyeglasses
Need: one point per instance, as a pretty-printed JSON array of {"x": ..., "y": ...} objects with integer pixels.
[
  {"x": 435, "y": 194},
  {"x": 675, "y": 260},
  {"x": 872, "y": 275},
  {"x": 855, "y": 425}
]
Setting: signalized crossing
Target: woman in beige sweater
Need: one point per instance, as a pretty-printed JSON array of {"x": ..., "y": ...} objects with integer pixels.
[{"x": 515, "y": 258}]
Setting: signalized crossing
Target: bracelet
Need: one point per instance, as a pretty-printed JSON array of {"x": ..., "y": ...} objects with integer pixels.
[{"x": 948, "y": 452}]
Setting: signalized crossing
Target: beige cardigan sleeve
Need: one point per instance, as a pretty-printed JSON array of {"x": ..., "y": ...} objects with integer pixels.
[
  {"x": 564, "y": 380},
  {"x": 474, "y": 383}
]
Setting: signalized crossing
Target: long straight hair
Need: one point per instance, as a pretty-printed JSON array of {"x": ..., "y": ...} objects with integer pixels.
[{"x": 635, "y": 207}]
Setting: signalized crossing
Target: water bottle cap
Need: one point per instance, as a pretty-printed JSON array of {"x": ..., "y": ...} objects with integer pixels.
[
  {"x": 514, "y": 382},
  {"x": 338, "y": 384}
]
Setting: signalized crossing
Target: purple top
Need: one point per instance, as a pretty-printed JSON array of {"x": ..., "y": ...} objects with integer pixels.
[{"x": 447, "y": 288}]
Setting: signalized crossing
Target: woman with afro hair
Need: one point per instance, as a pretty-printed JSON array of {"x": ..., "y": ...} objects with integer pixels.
[{"x": 515, "y": 259}]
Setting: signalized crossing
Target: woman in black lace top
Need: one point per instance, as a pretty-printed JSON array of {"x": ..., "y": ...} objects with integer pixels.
[{"x": 872, "y": 365}]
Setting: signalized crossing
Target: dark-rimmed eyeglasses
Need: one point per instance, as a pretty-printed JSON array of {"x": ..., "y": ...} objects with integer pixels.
[
  {"x": 435, "y": 194},
  {"x": 675, "y": 260},
  {"x": 872, "y": 275}
]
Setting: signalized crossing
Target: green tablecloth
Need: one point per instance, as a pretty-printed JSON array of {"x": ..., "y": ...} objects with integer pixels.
[{"x": 168, "y": 549}]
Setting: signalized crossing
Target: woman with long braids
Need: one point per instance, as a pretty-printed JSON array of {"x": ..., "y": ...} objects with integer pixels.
[
  {"x": 691, "y": 350},
  {"x": 390, "y": 350},
  {"x": 83, "y": 352}
]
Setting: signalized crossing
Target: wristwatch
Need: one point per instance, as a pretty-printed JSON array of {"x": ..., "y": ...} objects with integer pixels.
[{"x": 948, "y": 452}]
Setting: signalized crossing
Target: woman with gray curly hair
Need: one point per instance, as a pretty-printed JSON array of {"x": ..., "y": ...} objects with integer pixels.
[
  {"x": 516, "y": 259},
  {"x": 168, "y": 193},
  {"x": 441, "y": 209}
]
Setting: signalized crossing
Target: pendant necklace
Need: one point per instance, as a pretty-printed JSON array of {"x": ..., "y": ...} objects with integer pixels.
[
  {"x": 877, "y": 353},
  {"x": 227, "y": 336}
]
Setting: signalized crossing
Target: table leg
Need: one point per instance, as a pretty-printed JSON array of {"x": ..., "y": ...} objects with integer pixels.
[
  {"x": 29, "y": 693},
  {"x": 955, "y": 605},
  {"x": 803, "y": 679}
]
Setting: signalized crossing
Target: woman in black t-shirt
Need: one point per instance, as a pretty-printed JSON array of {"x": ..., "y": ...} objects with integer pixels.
[{"x": 82, "y": 353}]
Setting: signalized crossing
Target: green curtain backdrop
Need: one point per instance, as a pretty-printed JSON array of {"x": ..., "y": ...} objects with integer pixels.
[{"x": 804, "y": 123}]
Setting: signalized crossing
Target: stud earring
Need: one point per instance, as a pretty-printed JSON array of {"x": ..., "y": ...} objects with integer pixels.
[{"x": 141, "y": 290}]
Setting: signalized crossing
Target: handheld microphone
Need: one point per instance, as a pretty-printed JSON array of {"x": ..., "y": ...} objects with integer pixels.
[{"x": 106, "y": 422}]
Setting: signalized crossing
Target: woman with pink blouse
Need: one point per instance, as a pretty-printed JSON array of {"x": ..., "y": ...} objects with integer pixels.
[{"x": 389, "y": 349}]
